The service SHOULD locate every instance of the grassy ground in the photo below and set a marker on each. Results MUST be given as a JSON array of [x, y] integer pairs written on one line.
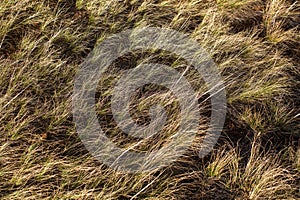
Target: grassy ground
[[255, 44]]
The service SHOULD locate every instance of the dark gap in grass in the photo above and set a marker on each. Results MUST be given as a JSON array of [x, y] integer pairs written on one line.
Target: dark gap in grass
[[13, 38], [195, 21], [11, 42], [79, 21], [290, 49], [237, 133], [67, 7], [247, 18], [292, 22], [246, 24]]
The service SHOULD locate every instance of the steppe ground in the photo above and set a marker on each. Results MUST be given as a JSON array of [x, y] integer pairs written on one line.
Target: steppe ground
[[255, 44]]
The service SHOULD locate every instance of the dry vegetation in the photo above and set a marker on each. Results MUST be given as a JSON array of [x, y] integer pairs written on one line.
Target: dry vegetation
[[255, 44]]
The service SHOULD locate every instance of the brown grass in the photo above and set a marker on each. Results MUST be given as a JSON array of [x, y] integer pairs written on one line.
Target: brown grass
[[255, 44]]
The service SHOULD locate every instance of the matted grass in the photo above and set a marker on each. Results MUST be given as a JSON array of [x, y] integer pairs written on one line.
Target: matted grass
[[255, 44]]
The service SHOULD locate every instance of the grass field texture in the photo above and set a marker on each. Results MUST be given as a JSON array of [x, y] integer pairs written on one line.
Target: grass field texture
[[256, 46]]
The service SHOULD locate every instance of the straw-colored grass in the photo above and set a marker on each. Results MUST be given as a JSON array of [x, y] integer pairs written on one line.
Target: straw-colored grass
[[255, 44]]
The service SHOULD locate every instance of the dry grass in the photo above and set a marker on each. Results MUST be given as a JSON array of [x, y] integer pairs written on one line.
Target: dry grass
[[255, 44]]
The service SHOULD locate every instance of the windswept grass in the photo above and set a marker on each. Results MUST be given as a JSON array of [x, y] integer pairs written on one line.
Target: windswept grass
[[255, 44]]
